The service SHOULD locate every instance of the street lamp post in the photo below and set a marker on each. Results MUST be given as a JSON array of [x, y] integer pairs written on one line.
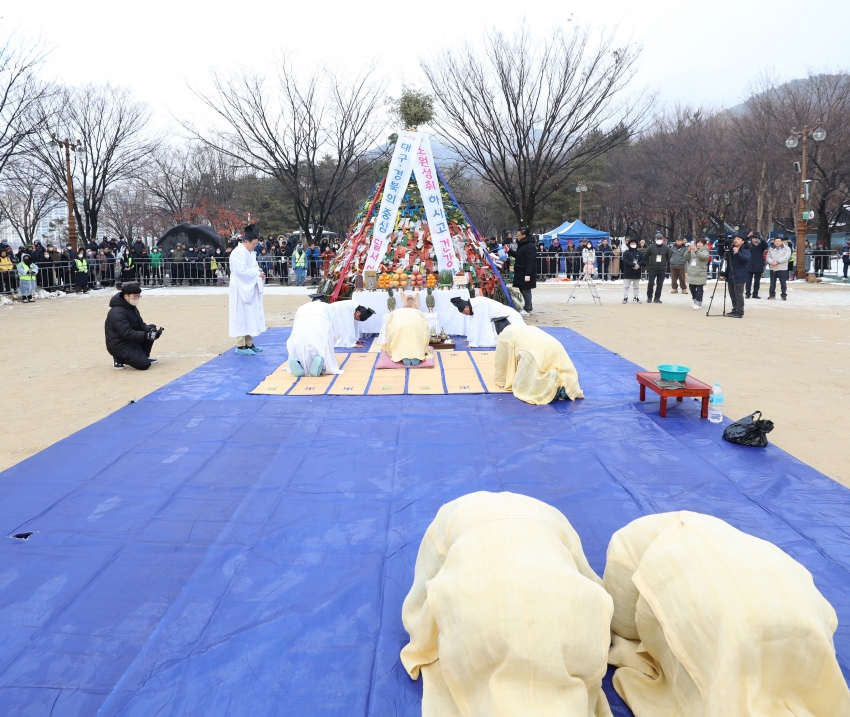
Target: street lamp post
[[581, 189], [802, 220], [69, 146]]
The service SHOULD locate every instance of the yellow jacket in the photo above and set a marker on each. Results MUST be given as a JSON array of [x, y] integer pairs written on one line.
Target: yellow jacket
[[5, 263]]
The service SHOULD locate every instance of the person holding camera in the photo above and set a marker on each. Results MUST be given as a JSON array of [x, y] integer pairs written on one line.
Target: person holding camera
[[738, 261], [697, 270], [129, 339], [777, 257]]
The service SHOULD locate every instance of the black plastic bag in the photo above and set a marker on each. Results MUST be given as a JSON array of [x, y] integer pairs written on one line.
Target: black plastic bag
[[749, 431]]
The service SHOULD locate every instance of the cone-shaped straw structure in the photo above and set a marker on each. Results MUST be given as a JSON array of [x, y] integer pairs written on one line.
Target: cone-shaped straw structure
[[410, 250]]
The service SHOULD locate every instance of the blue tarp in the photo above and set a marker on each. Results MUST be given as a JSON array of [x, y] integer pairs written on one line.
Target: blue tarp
[[205, 552]]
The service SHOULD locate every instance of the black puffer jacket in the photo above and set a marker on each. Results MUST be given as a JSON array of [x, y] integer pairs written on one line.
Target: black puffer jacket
[[630, 257], [525, 264], [125, 330]]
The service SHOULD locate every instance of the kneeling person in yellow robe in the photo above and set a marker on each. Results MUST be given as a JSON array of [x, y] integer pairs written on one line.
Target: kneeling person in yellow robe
[[406, 336], [535, 366], [506, 617], [709, 622]]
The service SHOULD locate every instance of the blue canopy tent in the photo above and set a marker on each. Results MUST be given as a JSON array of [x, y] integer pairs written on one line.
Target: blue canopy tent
[[579, 230], [549, 236]]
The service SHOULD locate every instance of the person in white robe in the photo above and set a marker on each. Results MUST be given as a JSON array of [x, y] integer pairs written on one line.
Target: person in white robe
[[346, 316], [247, 315], [487, 318], [506, 617], [711, 621], [311, 343]]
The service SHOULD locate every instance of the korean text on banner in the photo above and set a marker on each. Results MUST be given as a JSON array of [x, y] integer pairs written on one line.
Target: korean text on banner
[[429, 187], [396, 184]]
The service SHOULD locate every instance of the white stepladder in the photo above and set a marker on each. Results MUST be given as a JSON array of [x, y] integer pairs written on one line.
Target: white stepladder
[[586, 278]]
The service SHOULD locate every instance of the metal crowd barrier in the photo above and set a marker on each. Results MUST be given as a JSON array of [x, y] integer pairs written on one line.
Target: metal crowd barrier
[[60, 276]]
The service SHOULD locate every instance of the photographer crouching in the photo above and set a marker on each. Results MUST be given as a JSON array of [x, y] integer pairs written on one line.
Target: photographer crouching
[[129, 340], [736, 275]]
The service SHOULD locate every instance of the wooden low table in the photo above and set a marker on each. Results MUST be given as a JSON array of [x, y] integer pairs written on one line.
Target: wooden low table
[[694, 388]]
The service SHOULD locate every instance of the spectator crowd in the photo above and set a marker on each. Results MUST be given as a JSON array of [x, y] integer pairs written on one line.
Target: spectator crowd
[[113, 261], [688, 264]]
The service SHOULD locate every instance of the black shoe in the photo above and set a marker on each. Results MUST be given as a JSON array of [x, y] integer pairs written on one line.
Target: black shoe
[[784, 298], [656, 301], [625, 301], [733, 315], [153, 360], [755, 297], [117, 366], [636, 300], [746, 296]]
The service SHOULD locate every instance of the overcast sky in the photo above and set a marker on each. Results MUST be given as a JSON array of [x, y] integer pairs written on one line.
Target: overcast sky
[[158, 48]]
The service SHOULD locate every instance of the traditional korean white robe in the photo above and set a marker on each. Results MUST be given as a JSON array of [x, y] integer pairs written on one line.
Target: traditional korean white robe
[[506, 617], [313, 334], [247, 315], [481, 331], [345, 325]]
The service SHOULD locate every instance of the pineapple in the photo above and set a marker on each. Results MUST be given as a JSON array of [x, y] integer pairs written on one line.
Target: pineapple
[[429, 300], [390, 300]]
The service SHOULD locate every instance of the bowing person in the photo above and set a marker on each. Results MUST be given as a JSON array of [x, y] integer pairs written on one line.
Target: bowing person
[[487, 319], [535, 366], [506, 617], [346, 317], [711, 621], [311, 343], [406, 336]]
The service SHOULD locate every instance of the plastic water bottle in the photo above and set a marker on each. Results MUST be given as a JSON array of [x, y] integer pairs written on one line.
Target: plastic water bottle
[[715, 404]]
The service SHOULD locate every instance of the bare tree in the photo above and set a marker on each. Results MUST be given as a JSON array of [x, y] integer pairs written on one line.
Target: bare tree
[[528, 114], [315, 137], [128, 213], [181, 179], [111, 126], [26, 198], [21, 95]]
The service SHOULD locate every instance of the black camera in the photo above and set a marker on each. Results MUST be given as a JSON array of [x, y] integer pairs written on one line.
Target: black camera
[[724, 243]]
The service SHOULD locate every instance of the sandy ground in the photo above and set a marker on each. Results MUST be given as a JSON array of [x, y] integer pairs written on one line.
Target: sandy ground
[[791, 360]]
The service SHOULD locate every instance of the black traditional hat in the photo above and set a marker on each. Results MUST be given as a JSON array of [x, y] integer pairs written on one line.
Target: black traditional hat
[[460, 304], [365, 312], [251, 233], [319, 297], [131, 287], [500, 324]]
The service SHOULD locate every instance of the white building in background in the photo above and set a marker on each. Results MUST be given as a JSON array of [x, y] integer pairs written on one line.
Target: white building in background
[[50, 230]]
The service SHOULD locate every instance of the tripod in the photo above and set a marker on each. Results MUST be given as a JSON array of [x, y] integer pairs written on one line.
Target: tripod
[[586, 278], [722, 270]]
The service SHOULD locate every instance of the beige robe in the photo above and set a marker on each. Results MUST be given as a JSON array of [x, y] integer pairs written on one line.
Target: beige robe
[[712, 622], [505, 616], [406, 335], [534, 365]]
